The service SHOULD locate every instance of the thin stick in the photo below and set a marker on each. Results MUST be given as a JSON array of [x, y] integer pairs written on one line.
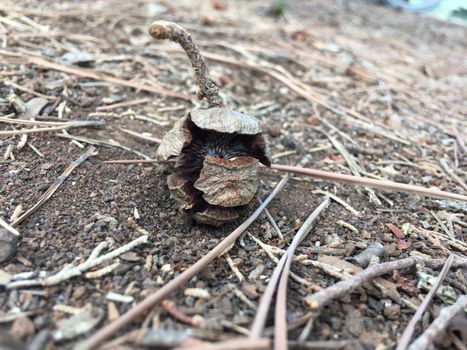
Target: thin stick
[[54, 126], [69, 272], [363, 181], [87, 73], [409, 330], [110, 143], [33, 131], [280, 324], [122, 104], [32, 92], [271, 250], [70, 123], [452, 174], [341, 178], [327, 295], [355, 168], [9, 227], [170, 307], [443, 226], [261, 314], [207, 88], [155, 298], [337, 290], [141, 136], [58, 182], [271, 220], [132, 161], [338, 200], [439, 324], [233, 344]]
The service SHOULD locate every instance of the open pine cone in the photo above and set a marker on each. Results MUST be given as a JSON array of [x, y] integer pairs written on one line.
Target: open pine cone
[[218, 150]]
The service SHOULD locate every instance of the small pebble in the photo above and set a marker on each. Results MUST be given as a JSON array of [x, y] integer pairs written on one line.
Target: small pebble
[[22, 327], [47, 166], [392, 312], [274, 129], [249, 290], [289, 143], [163, 215], [8, 245]]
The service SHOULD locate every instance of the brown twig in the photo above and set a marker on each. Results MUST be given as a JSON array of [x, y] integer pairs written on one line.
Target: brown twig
[[232, 344], [133, 161], [52, 189], [408, 332], [207, 88], [32, 92], [321, 344], [170, 308], [439, 324], [109, 143], [141, 136], [123, 104], [54, 126], [280, 324], [181, 279], [87, 73], [363, 181], [327, 295]]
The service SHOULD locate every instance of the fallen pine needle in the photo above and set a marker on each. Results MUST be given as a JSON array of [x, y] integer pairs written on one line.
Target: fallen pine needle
[[261, 314], [280, 324], [408, 332], [341, 178], [141, 136], [170, 307], [57, 183], [9, 227], [232, 344], [338, 200], [109, 143], [68, 123], [87, 73], [122, 104], [52, 126], [439, 324], [271, 220], [363, 181], [132, 161]]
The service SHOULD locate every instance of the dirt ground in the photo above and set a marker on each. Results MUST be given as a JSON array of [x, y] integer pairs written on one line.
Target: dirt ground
[[388, 86]]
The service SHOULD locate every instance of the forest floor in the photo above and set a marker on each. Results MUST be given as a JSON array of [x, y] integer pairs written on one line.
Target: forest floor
[[367, 88]]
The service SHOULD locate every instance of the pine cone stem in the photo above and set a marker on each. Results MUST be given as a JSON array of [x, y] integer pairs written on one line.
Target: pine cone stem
[[207, 88]]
